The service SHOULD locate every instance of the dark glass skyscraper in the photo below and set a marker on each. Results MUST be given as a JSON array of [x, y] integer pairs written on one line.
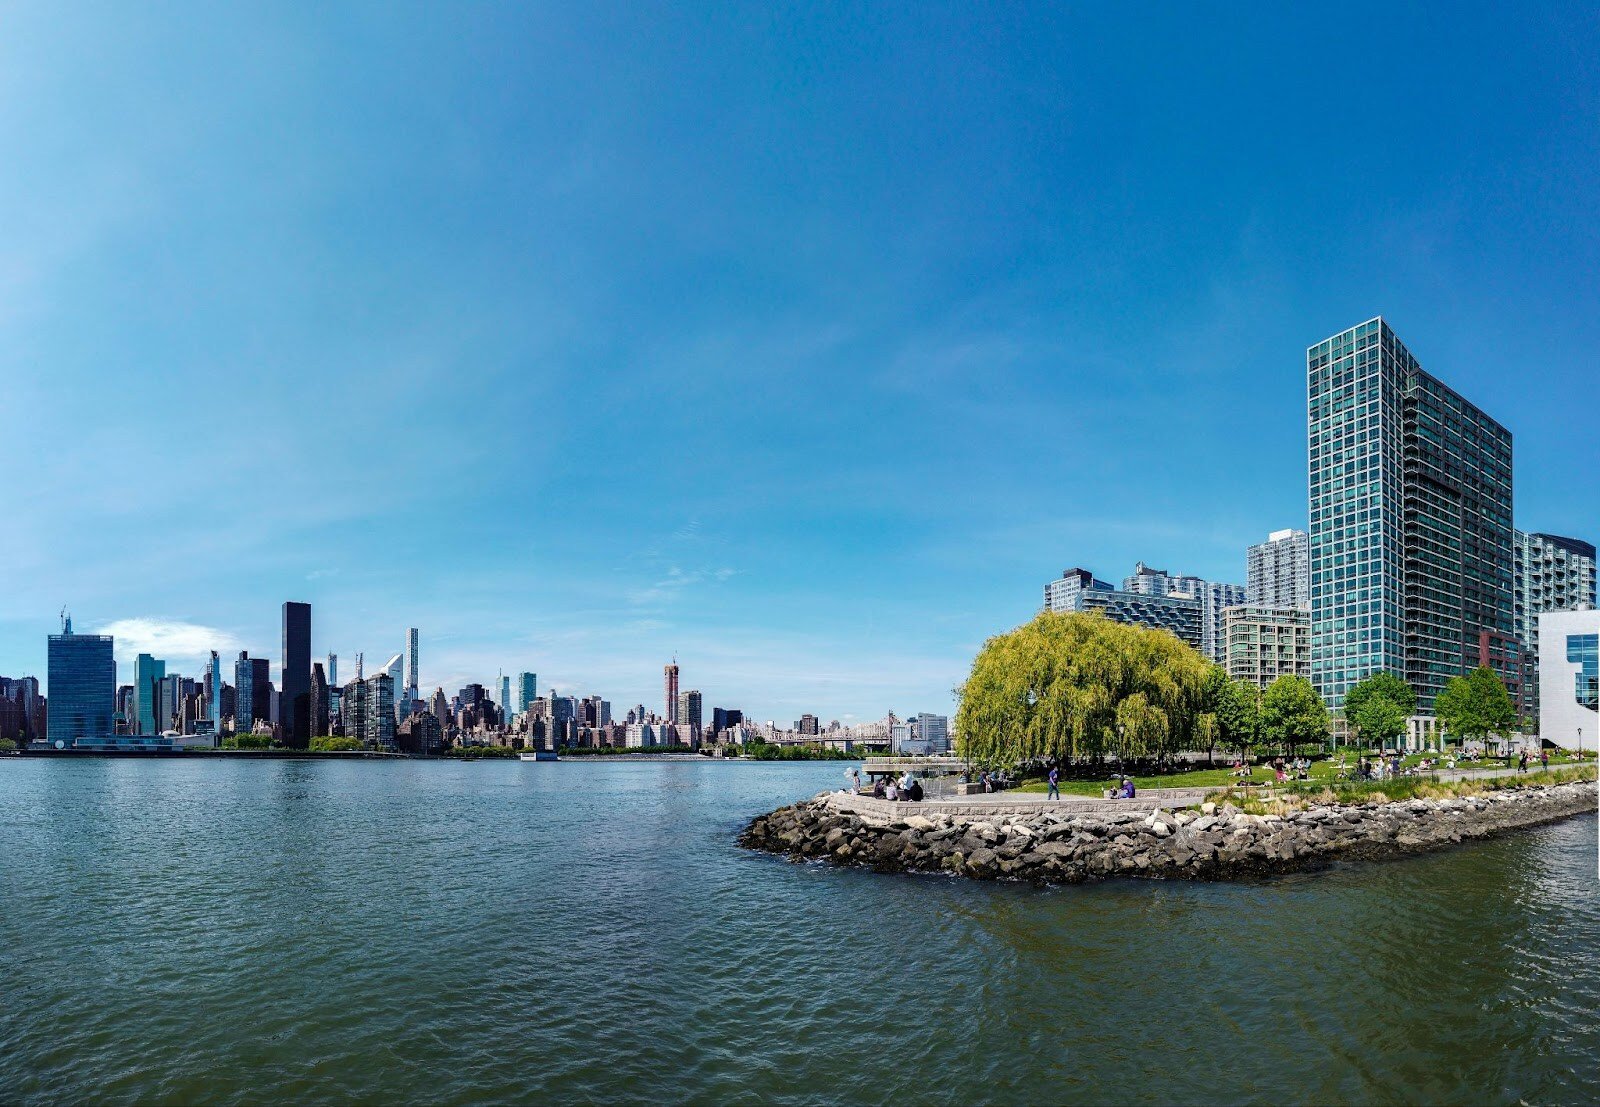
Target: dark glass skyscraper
[[1411, 553], [83, 686], [295, 698]]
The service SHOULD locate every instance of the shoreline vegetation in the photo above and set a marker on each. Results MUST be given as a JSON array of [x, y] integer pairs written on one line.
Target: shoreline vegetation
[[1227, 838]]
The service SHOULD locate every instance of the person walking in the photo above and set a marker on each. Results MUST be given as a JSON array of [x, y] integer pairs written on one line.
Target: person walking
[[1544, 758], [1054, 791]]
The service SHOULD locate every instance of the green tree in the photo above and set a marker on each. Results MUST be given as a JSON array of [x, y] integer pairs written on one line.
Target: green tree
[[334, 744], [1292, 714], [1476, 705], [1239, 716], [1079, 687], [1377, 708], [1208, 727], [247, 741]]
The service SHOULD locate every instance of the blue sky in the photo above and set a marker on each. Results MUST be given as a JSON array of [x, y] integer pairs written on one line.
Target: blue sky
[[804, 342]]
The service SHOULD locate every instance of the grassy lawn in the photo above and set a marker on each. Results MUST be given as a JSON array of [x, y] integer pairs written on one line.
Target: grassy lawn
[[1323, 771]]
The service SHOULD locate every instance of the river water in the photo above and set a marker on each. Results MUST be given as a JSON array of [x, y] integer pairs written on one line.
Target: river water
[[267, 931]]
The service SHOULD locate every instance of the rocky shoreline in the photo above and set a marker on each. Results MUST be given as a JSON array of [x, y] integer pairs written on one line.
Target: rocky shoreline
[[1213, 843]]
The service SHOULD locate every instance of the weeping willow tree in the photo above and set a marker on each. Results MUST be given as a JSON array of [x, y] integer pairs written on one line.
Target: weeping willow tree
[[1079, 687]]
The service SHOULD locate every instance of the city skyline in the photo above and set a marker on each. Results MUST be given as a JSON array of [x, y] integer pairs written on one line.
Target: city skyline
[[810, 386]]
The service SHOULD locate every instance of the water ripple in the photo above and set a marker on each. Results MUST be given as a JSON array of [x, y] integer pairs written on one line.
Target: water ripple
[[412, 933]]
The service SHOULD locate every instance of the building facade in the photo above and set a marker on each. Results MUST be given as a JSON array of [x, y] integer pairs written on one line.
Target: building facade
[[82, 674], [670, 674], [527, 691], [295, 709], [251, 692], [1550, 573], [412, 683], [1278, 571], [1569, 678], [1410, 512], [1079, 590], [1265, 643], [691, 710], [148, 673]]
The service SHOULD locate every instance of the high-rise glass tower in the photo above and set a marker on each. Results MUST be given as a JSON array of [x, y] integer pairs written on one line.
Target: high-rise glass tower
[[148, 673], [1410, 537], [527, 691], [214, 692], [295, 696], [83, 685], [251, 686], [411, 667]]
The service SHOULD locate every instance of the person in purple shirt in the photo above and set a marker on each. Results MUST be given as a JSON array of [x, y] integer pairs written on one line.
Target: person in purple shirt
[[1127, 787], [1054, 792]]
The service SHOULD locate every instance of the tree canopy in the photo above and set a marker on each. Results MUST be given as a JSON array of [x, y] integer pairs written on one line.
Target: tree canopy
[[1378, 706], [1239, 715], [1079, 687], [1292, 714], [1476, 705]]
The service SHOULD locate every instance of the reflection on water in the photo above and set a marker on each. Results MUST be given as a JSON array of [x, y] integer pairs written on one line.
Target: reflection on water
[[261, 931]]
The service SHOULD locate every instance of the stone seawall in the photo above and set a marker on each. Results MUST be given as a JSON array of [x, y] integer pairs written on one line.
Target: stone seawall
[[1063, 847]]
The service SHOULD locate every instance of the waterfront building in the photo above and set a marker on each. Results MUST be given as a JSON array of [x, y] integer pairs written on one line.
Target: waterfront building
[[439, 707], [671, 675], [1278, 571], [1080, 590], [419, 734], [933, 732], [1550, 573], [1569, 678], [505, 696], [724, 717], [639, 736], [527, 691], [1264, 643], [214, 692], [412, 684], [23, 693], [321, 705], [252, 687], [394, 669], [295, 695], [333, 670], [169, 704], [690, 708], [148, 673], [354, 718], [82, 672], [1410, 536], [806, 724]]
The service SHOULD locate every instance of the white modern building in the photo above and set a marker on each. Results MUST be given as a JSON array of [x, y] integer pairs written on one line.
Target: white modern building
[[1278, 571], [1569, 678], [1549, 573]]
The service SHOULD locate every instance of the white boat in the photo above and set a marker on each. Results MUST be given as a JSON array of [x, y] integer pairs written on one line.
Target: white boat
[[538, 755]]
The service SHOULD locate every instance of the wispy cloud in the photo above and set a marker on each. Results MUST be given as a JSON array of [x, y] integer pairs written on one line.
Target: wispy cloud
[[676, 581]]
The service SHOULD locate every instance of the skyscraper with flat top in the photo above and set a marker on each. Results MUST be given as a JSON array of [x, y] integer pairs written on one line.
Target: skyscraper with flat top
[[83, 686], [672, 691], [1278, 571], [411, 667], [295, 694], [1410, 538]]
